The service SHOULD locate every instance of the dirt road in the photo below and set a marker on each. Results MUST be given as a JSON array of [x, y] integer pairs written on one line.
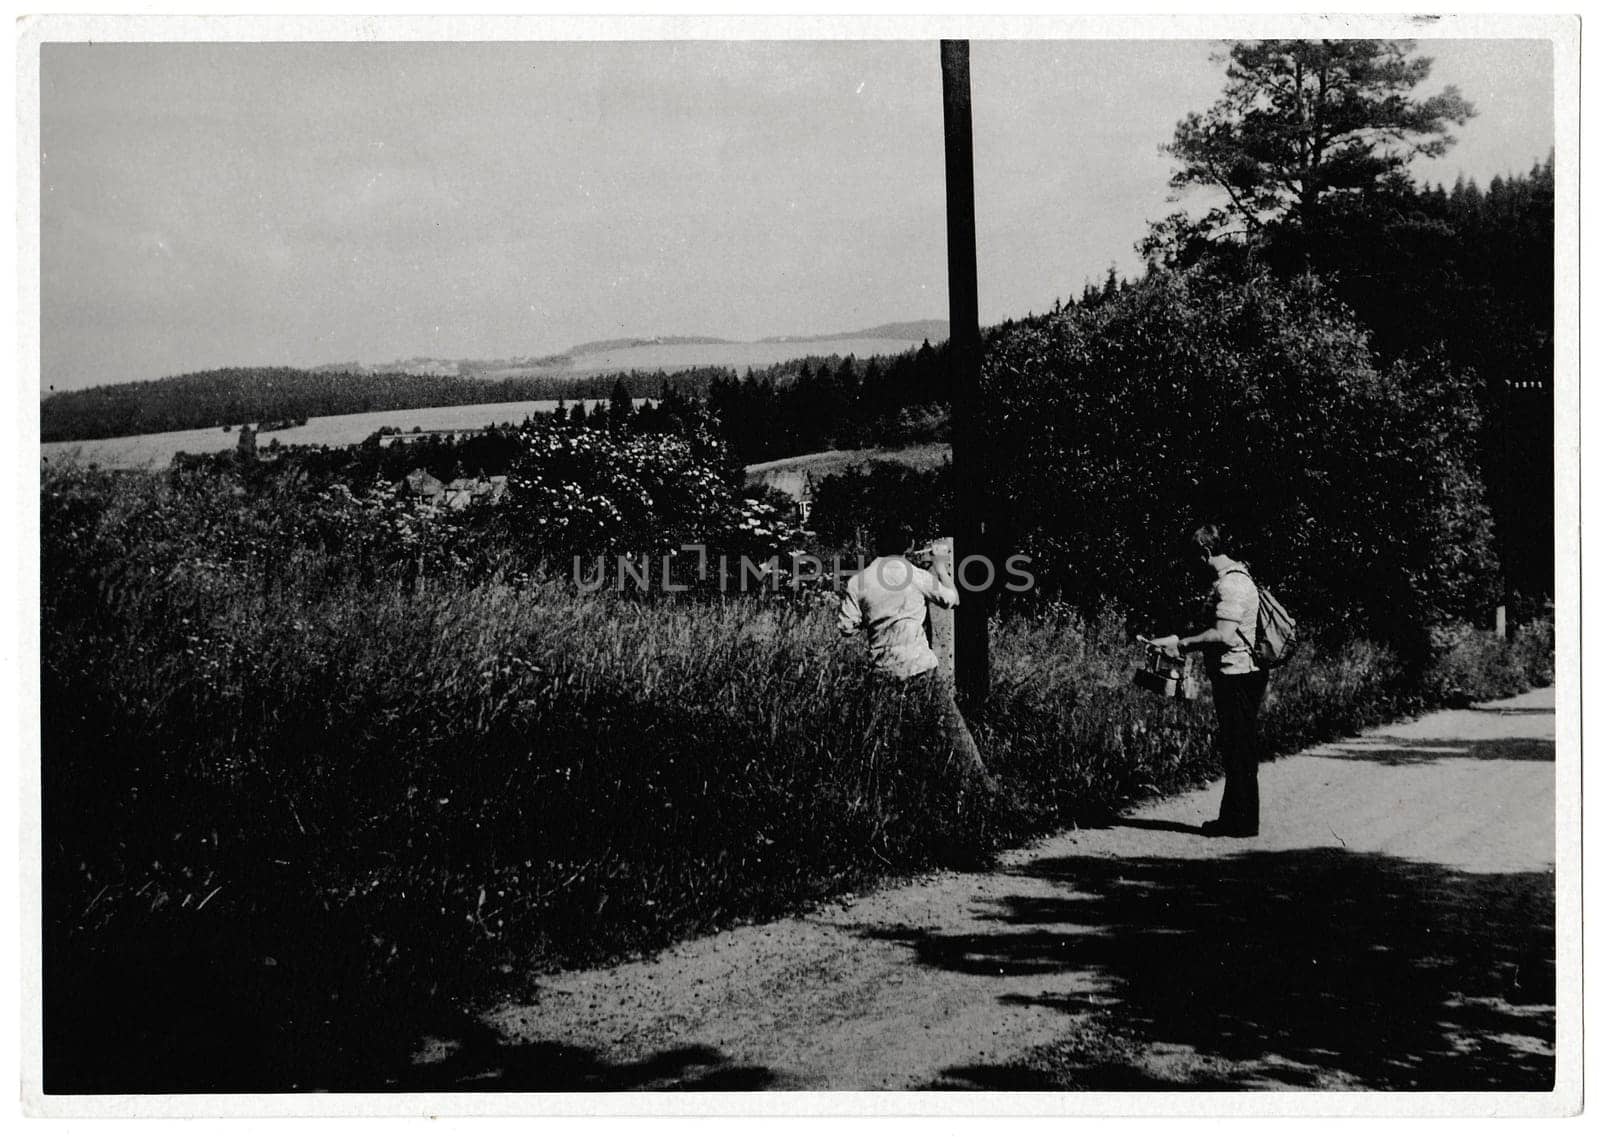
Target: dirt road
[[1392, 927]]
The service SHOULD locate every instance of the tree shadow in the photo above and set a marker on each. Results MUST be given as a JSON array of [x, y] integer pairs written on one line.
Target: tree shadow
[[1153, 824], [1388, 750], [1318, 968], [183, 1024], [481, 1060]]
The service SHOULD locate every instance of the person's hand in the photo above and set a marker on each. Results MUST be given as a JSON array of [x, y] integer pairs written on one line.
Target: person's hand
[[1169, 646]]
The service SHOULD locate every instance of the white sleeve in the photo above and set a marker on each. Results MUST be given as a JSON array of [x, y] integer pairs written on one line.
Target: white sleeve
[[930, 586], [849, 610]]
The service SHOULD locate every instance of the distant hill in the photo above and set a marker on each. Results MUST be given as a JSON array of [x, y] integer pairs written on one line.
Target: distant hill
[[636, 352], [934, 331], [594, 346]]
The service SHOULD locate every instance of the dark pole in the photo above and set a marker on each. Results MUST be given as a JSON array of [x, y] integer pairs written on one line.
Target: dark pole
[[965, 356], [1503, 617]]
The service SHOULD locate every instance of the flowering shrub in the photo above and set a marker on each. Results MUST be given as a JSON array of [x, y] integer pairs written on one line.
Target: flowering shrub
[[580, 493], [569, 493]]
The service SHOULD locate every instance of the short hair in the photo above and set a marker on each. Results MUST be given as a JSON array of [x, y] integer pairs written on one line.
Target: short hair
[[892, 535], [1211, 538]]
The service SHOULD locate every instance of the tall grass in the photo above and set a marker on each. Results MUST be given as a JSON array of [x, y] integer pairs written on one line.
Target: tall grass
[[294, 807]]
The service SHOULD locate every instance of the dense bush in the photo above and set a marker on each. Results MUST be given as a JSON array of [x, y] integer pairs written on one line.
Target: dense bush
[[580, 493], [1535, 649], [1470, 664], [1199, 396], [571, 492]]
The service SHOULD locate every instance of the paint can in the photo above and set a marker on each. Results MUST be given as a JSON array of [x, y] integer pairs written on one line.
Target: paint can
[[1170, 678]]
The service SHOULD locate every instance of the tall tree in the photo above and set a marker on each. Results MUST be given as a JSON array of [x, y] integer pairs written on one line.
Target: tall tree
[[621, 405], [1301, 119]]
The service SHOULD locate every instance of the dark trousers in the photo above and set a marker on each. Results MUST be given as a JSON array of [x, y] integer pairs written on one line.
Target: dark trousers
[[958, 745], [1238, 699]]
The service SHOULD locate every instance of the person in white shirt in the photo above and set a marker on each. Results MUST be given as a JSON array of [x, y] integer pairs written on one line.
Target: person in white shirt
[[888, 600], [1238, 685]]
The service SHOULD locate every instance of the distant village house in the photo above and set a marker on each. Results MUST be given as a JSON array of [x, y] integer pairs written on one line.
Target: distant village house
[[795, 483], [457, 494]]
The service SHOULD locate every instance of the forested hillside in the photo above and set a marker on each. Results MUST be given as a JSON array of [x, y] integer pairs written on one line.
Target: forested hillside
[[252, 394]]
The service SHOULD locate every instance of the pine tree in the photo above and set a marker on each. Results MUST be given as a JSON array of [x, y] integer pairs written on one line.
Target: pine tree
[[621, 413], [1300, 120]]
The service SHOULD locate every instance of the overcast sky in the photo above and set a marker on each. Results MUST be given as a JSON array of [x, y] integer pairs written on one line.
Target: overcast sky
[[205, 205]]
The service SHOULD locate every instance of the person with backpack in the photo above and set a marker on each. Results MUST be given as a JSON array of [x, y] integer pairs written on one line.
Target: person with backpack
[[1237, 657]]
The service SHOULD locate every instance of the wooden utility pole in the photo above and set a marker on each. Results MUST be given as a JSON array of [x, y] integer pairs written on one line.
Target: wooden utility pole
[[965, 354], [1505, 467]]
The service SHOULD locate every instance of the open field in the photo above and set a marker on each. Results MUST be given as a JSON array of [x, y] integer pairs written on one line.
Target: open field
[[922, 456], [154, 451]]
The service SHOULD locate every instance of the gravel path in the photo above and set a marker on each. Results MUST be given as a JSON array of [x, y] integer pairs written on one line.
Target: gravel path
[[1392, 927]]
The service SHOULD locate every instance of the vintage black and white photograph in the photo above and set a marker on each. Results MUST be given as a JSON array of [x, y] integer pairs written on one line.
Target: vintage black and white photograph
[[945, 563]]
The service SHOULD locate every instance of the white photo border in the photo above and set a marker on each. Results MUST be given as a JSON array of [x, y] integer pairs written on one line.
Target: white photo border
[[22, 643]]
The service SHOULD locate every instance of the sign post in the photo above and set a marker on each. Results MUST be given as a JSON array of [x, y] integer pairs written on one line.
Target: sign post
[[965, 356], [941, 621]]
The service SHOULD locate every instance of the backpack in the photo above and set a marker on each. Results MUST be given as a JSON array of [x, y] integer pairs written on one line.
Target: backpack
[[1275, 639]]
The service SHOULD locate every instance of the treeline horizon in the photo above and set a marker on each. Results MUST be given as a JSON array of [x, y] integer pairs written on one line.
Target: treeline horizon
[[232, 396]]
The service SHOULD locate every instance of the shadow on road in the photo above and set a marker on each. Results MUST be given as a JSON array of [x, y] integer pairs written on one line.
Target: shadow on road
[[1153, 824], [483, 1061], [1316, 967], [186, 1024], [1387, 750]]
